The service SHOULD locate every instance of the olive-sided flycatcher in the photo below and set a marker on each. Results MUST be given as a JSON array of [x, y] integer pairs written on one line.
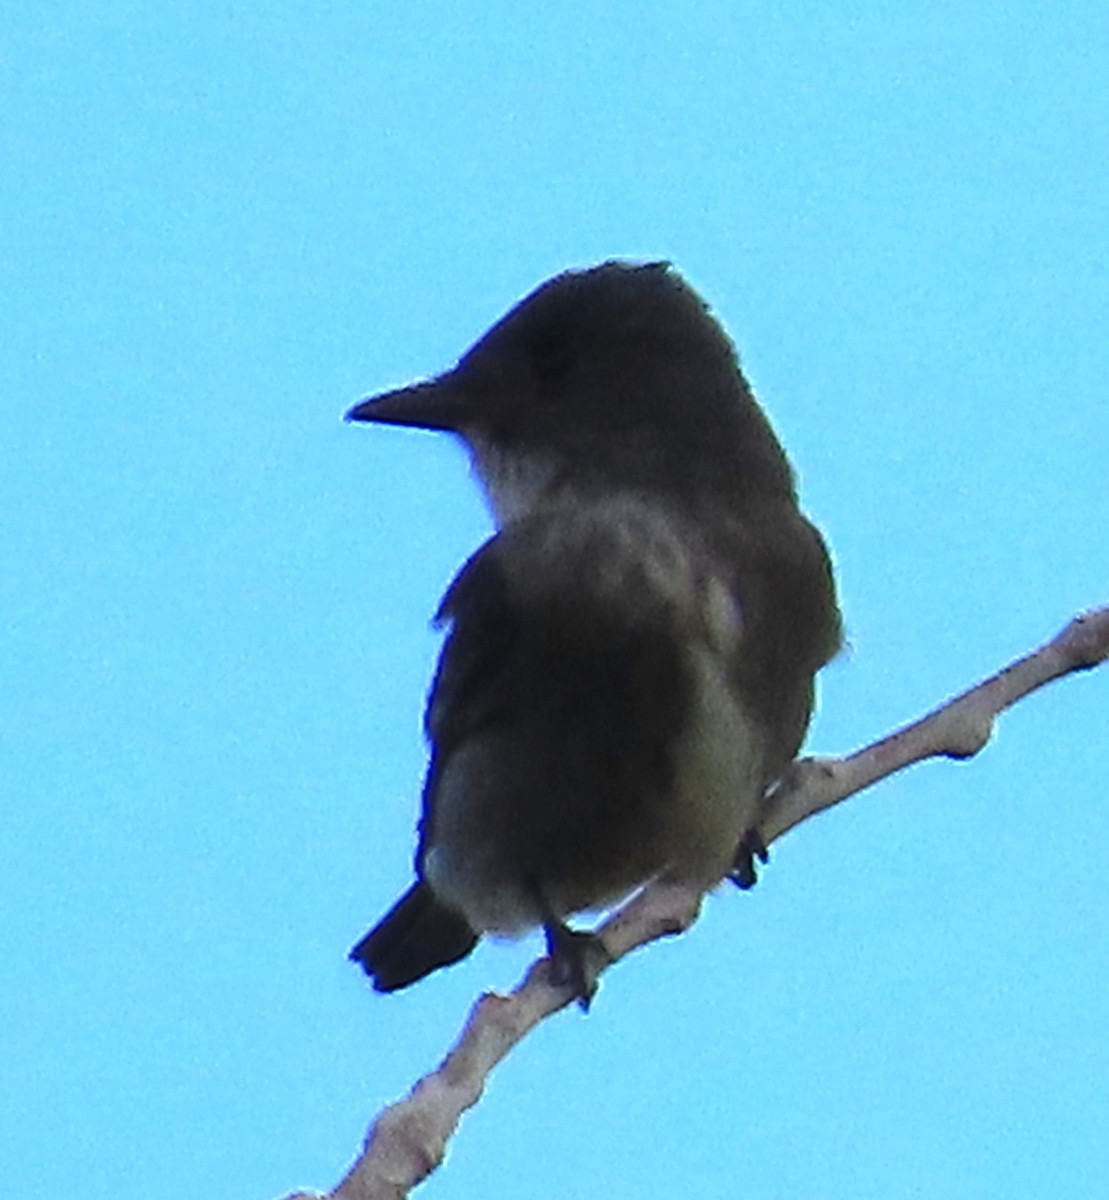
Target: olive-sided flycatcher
[[629, 659]]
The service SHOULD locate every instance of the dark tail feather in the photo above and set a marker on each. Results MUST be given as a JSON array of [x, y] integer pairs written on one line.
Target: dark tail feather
[[418, 935]]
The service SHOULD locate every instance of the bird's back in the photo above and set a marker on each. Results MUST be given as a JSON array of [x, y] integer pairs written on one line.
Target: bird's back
[[587, 731]]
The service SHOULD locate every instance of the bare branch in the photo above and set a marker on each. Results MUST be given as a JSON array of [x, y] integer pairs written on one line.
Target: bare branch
[[958, 729], [408, 1140]]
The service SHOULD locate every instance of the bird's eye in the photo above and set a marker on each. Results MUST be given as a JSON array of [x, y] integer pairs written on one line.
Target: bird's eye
[[552, 360]]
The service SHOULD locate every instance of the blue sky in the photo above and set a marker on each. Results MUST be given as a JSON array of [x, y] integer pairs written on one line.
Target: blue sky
[[220, 225]]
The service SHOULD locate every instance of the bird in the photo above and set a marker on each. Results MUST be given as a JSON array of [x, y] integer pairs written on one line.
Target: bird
[[629, 660]]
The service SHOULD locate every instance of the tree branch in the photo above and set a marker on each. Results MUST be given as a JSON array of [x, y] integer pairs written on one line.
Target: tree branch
[[408, 1140]]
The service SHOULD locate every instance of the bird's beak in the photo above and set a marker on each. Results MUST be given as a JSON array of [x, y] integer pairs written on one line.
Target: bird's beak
[[435, 404]]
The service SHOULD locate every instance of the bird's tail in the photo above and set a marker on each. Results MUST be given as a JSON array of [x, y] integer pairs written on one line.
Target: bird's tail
[[416, 936]]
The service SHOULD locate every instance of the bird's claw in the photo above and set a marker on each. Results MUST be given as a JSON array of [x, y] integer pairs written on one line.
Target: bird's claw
[[751, 846], [577, 959]]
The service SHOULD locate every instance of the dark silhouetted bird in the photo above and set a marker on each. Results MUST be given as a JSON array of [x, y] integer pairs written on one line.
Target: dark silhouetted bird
[[629, 660]]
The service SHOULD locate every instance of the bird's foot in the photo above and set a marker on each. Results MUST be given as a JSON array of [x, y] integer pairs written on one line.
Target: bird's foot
[[577, 959], [751, 846]]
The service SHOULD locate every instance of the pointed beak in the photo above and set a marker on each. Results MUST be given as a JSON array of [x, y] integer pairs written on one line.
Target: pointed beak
[[437, 403]]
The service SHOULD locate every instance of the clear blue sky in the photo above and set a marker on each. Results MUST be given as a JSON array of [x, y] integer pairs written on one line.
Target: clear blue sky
[[220, 225]]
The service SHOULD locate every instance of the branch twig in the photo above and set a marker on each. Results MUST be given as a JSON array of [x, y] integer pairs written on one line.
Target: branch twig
[[408, 1140]]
